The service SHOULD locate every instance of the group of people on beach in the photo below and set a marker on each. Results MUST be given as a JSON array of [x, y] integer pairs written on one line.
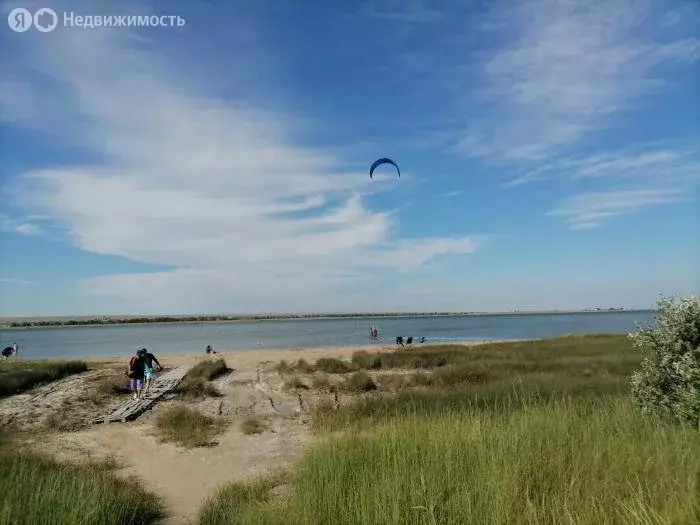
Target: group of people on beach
[[141, 371]]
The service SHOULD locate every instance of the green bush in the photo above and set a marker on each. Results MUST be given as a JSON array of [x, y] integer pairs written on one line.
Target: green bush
[[668, 380]]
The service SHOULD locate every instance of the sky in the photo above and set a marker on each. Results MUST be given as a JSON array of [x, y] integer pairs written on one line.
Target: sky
[[548, 149]]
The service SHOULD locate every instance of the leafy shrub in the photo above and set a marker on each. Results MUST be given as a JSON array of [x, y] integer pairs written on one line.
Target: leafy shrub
[[668, 380]]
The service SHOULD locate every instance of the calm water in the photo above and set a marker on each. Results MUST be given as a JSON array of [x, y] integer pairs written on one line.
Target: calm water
[[178, 338]]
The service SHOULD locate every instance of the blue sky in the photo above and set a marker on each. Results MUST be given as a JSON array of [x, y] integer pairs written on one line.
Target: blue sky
[[549, 154]]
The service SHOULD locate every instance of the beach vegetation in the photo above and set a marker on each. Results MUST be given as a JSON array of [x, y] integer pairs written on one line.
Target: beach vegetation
[[37, 489], [208, 370], [667, 382], [187, 426], [332, 365], [527, 432], [19, 376], [253, 425]]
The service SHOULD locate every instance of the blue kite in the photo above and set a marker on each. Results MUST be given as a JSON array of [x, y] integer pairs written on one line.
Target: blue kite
[[383, 161]]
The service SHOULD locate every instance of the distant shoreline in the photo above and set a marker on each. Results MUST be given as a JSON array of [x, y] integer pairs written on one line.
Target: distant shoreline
[[71, 322]]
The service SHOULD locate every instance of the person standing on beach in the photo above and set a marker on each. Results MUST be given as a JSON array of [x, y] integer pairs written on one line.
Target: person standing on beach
[[136, 373], [149, 373], [15, 350]]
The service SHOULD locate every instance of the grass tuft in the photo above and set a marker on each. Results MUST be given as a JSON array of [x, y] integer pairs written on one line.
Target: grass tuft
[[303, 367], [196, 388], [332, 365], [322, 382], [187, 427], [19, 376], [294, 383], [359, 382], [208, 370], [228, 504], [253, 425]]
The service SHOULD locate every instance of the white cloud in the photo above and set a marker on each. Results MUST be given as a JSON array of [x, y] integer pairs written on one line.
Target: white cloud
[[564, 73], [587, 211], [408, 11], [566, 69], [12, 280], [28, 229], [216, 190], [643, 164]]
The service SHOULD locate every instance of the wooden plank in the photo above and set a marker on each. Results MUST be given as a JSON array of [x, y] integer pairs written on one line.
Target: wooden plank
[[133, 408]]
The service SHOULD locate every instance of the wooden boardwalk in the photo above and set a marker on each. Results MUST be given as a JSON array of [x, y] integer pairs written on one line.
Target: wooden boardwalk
[[135, 407]]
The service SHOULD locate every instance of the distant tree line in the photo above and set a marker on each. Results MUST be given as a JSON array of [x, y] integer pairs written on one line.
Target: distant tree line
[[215, 318]]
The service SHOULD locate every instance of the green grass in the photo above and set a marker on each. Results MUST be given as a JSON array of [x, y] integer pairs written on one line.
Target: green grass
[[359, 382], [332, 365], [208, 370], [224, 507], [195, 384], [187, 427], [532, 432], [19, 376], [37, 490]]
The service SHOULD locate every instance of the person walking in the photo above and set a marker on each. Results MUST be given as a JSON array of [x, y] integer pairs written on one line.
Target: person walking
[[149, 372], [136, 373]]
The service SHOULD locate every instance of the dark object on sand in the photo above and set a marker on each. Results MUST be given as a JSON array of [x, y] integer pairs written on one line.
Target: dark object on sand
[[209, 350], [421, 340], [399, 340], [409, 340]]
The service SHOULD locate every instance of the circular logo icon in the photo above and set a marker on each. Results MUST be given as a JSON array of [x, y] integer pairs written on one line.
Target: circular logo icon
[[45, 19], [19, 19]]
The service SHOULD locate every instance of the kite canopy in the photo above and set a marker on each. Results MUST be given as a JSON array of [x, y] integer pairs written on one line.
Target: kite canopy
[[383, 161]]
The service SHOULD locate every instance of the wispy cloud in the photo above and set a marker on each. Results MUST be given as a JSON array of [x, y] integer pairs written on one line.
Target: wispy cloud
[[589, 210], [218, 190], [409, 11], [19, 227], [12, 280], [566, 72], [567, 69], [642, 164]]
